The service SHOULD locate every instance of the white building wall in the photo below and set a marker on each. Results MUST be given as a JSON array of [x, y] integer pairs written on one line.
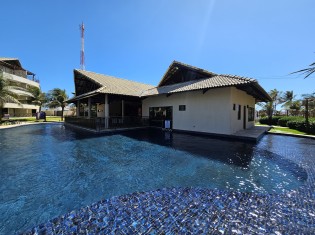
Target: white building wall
[[22, 80], [20, 109], [211, 112], [239, 97]]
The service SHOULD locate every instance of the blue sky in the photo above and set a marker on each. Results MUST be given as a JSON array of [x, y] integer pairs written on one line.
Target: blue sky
[[138, 39]]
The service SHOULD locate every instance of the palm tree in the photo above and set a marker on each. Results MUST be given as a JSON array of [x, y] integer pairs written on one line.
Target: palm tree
[[287, 99], [308, 71], [57, 98], [39, 98], [295, 107], [271, 107], [6, 93], [276, 99]]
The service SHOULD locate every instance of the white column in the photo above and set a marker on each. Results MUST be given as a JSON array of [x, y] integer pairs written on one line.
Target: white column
[[106, 110], [89, 107], [78, 108]]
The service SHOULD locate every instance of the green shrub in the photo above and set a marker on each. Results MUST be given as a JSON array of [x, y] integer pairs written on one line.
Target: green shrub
[[283, 121], [301, 126], [297, 125], [265, 120]]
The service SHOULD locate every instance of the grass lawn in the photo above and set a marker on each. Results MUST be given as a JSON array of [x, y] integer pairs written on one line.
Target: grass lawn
[[279, 129], [285, 130]]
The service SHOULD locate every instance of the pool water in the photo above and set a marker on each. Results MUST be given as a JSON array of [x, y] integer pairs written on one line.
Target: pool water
[[48, 170]]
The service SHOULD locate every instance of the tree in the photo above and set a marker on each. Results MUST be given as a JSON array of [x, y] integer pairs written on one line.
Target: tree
[[57, 98], [308, 71], [39, 98], [6, 93], [276, 99], [295, 107], [287, 99], [271, 107], [308, 103]]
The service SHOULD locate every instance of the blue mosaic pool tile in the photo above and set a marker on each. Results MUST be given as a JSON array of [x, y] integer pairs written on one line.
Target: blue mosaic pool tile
[[197, 211], [189, 210]]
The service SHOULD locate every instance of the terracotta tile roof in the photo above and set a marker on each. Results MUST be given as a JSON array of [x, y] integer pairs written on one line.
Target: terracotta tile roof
[[213, 82], [113, 85], [5, 58]]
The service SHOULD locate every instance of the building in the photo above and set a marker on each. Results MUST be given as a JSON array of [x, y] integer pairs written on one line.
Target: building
[[12, 70], [187, 98]]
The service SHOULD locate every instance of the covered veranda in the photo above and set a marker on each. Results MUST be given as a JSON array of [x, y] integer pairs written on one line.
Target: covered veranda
[[99, 111]]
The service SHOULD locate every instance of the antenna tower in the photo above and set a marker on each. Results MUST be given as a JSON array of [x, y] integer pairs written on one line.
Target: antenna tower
[[82, 64]]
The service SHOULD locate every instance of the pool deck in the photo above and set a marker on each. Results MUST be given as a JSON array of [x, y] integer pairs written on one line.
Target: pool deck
[[253, 134]]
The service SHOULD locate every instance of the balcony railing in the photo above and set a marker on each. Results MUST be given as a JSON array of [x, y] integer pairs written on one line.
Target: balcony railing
[[99, 124]]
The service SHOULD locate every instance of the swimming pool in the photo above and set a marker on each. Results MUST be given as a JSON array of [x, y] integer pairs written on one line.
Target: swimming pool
[[47, 170]]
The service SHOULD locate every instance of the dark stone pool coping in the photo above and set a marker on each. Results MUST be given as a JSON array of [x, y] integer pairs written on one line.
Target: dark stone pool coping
[[191, 211]]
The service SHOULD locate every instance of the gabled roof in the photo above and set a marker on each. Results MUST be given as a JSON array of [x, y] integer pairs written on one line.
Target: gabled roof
[[112, 85], [199, 84], [246, 84], [180, 72], [179, 77], [14, 63]]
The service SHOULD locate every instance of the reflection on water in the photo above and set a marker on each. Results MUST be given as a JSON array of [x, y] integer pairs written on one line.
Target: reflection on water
[[47, 170]]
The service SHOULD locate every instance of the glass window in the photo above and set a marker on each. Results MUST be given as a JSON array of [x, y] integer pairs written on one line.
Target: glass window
[[182, 108], [251, 114], [239, 112]]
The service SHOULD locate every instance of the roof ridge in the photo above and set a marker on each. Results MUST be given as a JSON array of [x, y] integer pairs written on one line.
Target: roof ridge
[[8, 58], [238, 77], [194, 67], [80, 70]]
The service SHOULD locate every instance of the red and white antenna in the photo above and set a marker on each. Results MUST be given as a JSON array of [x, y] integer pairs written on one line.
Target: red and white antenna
[[82, 65]]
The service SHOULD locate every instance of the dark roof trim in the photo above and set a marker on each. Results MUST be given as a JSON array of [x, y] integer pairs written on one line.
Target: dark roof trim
[[175, 65]]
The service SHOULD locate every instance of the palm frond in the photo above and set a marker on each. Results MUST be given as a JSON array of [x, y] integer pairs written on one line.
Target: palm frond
[[307, 72]]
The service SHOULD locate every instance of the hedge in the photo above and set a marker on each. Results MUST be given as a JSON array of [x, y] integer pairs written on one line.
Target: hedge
[[274, 120], [283, 121], [301, 126]]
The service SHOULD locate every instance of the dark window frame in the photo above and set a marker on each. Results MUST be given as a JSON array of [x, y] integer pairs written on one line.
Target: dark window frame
[[251, 114], [182, 107], [239, 113]]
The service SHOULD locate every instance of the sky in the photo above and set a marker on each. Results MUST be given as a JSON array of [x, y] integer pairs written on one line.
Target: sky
[[137, 40]]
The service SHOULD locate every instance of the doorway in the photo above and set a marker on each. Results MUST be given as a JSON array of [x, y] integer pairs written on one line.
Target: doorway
[[158, 116]]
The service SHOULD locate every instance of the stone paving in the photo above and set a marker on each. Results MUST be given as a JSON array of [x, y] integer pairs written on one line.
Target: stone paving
[[199, 210]]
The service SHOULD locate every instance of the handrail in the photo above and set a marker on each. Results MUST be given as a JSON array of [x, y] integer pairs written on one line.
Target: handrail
[[102, 123]]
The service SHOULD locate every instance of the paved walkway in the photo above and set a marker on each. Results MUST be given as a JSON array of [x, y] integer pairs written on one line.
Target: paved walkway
[[253, 134]]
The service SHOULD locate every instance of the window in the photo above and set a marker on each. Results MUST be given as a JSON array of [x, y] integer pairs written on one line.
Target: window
[[234, 106], [239, 112], [158, 115], [182, 108], [251, 114]]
